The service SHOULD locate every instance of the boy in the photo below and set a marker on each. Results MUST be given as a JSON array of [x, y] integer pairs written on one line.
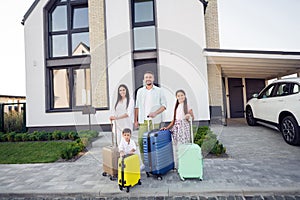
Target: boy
[[127, 146]]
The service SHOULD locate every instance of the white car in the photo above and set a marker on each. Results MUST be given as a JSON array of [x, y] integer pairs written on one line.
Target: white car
[[278, 105]]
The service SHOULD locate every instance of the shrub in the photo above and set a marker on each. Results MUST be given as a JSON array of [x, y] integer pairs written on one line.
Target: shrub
[[13, 121], [57, 135], [64, 135], [73, 135], [208, 141], [25, 137], [11, 136], [3, 137], [72, 150], [18, 137]]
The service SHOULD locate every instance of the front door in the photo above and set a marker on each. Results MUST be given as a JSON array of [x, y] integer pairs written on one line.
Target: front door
[[140, 67], [253, 86], [236, 101]]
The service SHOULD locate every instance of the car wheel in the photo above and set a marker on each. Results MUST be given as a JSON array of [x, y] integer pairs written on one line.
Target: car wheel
[[249, 117], [290, 130]]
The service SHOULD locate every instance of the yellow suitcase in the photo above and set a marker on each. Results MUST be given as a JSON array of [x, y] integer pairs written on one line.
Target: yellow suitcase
[[129, 171]]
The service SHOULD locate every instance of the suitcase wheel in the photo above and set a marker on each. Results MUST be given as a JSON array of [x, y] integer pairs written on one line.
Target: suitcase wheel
[[159, 178], [140, 183], [112, 178], [127, 189], [120, 187], [181, 178], [200, 179], [104, 174], [147, 173]]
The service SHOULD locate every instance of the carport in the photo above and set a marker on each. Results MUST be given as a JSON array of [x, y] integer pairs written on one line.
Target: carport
[[245, 72]]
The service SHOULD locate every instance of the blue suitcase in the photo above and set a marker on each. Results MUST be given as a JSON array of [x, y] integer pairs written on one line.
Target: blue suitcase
[[158, 152]]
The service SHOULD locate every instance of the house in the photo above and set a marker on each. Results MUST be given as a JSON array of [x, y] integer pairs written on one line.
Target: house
[[10, 103], [79, 51]]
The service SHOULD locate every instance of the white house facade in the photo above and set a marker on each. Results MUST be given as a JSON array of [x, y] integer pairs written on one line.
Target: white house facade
[[79, 51]]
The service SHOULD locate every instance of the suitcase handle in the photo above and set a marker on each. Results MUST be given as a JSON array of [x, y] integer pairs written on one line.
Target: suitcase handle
[[192, 131], [148, 123], [112, 133]]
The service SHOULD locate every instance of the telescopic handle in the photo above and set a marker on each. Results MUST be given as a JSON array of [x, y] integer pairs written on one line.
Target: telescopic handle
[[192, 131]]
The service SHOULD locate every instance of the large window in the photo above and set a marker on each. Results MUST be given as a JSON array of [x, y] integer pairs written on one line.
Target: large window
[[70, 82], [68, 74], [68, 28], [143, 25]]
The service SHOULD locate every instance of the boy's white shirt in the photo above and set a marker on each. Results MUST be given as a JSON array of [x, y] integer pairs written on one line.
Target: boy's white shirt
[[125, 147]]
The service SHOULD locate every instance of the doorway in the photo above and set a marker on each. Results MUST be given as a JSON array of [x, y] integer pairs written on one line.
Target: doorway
[[142, 66], [236, 102]]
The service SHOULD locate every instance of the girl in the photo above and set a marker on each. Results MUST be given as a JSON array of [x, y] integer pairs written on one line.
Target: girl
[[180, 126], [123, 112]]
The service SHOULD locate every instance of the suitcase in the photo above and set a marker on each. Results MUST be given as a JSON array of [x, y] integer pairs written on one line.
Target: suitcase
[[110, 155], [158, 152], [190, 160], [129, 171]]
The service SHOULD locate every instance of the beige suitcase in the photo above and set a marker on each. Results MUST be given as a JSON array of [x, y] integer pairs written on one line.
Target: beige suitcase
[[110, 155]]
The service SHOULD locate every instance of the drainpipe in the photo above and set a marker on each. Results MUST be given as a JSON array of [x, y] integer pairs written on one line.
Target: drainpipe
[[205, 3]]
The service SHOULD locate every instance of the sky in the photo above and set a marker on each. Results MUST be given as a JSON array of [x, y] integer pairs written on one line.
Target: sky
[[251, 25]]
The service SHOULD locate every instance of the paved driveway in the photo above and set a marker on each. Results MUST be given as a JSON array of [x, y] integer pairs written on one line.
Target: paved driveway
[[259, 162], [254, 142]]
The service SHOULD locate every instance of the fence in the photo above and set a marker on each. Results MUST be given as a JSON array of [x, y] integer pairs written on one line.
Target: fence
[[13, 117]]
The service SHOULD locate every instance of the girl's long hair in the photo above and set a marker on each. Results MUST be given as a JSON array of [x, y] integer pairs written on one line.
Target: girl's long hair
[[185, 109], [120, 97]]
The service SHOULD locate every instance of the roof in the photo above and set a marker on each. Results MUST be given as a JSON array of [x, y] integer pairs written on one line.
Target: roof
[[12, 96], [33, 5], [253, 63], [205, 3]]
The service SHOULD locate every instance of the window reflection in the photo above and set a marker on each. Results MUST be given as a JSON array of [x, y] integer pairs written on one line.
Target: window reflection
[[59, 19], [80, 18], [82, 87], [80, 43], [61, 88], [143, 11], [68, 28], [59, 45], [144, 38]]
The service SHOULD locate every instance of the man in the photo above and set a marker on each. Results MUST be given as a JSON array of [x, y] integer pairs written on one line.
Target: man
[[150, 103]]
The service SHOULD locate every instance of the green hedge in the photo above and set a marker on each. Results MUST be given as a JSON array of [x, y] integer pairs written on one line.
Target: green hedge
[[208, 141], [81, 139]]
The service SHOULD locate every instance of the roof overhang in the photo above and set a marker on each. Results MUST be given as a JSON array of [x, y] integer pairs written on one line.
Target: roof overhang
[[254, 64]]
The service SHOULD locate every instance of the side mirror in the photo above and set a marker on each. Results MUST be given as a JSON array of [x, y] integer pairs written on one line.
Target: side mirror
[[255, 95]]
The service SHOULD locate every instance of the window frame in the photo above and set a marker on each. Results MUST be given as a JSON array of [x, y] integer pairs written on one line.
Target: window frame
[[71, 5], [72, 100], [143, 24], [69, 62]]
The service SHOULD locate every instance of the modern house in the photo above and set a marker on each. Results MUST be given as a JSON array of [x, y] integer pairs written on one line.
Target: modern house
[[79, 51]]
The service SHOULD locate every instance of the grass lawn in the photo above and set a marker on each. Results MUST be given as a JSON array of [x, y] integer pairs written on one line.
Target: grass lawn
[[31, 152]]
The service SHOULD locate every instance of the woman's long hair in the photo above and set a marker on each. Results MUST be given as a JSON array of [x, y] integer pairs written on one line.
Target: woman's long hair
[[120, 97], [185, 109]]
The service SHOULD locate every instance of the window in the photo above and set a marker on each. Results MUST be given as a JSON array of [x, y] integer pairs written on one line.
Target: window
[[268, 92], [68, 61], [296, 88], [283, 89], [143, 16], [68, 28], [70, 82]]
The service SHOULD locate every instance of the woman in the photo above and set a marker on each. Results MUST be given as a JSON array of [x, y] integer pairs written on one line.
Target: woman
[[123, 112]]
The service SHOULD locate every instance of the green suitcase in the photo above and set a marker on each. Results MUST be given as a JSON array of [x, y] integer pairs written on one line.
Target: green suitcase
[[190, 160]]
